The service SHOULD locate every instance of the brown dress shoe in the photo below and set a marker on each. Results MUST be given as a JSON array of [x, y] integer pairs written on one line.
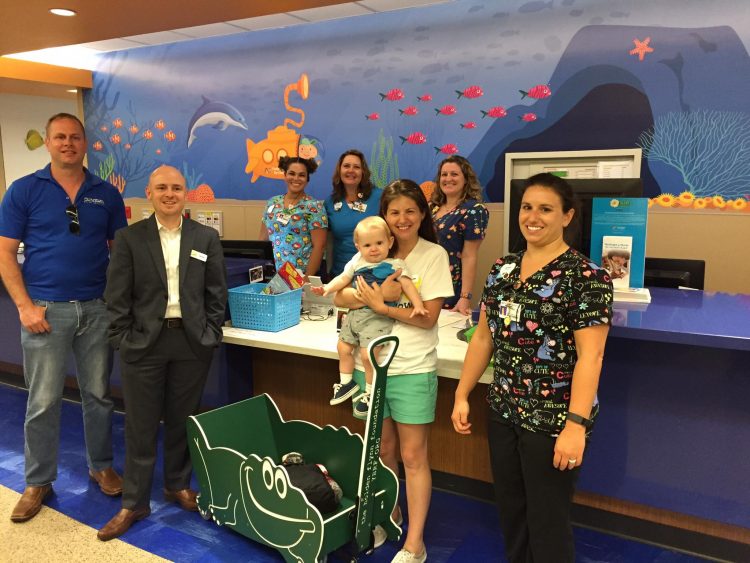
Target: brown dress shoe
[[121, 523], [109, 481], [185, 498], [30, 503]]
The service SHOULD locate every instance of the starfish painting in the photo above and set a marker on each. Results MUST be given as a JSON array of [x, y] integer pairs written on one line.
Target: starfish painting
[[641, 48]]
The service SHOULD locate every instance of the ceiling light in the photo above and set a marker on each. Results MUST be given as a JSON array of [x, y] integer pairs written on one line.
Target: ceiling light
[[62, 12], [72, 90], [71, 56]]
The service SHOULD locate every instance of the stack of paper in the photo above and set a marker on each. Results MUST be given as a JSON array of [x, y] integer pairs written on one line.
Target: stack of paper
[[632, 294]]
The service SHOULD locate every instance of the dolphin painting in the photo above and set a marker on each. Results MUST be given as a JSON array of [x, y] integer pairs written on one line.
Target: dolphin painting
[[219, 115]]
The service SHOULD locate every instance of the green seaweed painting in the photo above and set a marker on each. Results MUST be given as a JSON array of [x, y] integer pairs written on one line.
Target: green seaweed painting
[[106, 167], [383, 162]]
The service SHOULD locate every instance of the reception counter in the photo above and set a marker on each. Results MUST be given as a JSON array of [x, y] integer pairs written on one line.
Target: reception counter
[[670, 443]]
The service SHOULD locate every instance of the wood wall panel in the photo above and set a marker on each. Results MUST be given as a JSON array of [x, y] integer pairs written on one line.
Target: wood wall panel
[[301, 387], [665, 517], [465, 455], [727, 264]]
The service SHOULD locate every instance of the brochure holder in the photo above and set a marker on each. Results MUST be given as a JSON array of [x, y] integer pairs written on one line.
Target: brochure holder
[[618, 244]]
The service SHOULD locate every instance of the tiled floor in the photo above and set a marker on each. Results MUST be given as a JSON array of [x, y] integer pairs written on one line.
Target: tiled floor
[[458, 529]]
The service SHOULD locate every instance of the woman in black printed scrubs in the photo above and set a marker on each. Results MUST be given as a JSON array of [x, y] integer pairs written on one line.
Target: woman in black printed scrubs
[[545, 315]]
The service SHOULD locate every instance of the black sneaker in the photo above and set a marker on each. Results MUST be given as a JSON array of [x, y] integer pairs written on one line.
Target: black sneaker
[[362, 406], [342, 391]]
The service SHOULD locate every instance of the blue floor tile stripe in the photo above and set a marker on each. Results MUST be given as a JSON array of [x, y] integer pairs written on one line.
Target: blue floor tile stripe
[[458, 528]]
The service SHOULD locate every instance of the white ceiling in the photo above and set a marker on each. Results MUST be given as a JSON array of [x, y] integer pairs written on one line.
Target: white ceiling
[[66, 55]]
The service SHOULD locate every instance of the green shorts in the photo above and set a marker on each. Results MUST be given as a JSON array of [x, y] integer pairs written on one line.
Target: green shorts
[[410, 398]]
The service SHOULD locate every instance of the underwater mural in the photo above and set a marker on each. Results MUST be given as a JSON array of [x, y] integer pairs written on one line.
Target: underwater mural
[[412, 86]]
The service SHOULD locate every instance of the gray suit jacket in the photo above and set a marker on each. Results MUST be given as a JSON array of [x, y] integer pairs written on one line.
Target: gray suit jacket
[[136, 292]]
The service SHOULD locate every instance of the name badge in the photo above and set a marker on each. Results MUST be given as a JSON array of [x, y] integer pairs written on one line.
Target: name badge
[[506, 269], [283, 218], [510, 311], [198, 255], [359, 206]]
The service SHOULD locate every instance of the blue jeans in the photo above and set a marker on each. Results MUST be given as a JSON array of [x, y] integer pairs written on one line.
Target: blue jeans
[[80, 326]]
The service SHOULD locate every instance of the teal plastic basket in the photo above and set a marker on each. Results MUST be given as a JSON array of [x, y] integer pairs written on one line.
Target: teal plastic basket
[[249, 308]]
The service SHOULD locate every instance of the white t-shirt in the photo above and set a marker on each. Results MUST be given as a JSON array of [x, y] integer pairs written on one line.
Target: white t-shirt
[[430, 273]]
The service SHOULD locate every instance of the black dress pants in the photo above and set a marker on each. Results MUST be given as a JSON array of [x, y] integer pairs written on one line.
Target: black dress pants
[[167, 382], [533, 498]]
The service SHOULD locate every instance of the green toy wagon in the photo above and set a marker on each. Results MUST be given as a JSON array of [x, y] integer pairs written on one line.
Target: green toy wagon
[[236, 452]]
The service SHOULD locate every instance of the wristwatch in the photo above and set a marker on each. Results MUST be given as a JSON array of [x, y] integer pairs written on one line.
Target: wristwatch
[[578, 419], [466, 295]]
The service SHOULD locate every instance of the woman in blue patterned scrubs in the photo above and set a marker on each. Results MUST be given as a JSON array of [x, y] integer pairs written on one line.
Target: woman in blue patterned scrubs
[[545, 315], [460, 220], [294, 222]]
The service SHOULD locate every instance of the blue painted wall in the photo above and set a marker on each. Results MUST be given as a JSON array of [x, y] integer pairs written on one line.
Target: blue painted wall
[[410, 86]]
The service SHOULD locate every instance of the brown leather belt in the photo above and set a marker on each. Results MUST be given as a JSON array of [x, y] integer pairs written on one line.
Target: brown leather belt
[[173, 323]]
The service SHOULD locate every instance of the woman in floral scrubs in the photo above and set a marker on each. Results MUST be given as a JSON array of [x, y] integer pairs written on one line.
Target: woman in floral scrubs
[[460, 220]]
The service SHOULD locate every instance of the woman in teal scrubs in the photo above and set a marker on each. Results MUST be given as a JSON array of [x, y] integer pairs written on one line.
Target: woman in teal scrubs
[[353, 198]]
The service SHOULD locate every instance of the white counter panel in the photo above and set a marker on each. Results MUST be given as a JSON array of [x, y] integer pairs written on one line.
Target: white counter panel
[[318, 338]]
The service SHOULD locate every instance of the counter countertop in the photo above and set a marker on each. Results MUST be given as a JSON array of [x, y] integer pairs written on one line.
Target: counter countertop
[[695, 318], [684, 316], [318, 338]]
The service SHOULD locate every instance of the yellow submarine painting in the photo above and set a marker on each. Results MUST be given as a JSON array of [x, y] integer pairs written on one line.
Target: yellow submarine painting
[[263, 156]]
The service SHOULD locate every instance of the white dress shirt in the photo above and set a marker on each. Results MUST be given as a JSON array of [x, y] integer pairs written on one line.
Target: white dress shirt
[[170, 247]]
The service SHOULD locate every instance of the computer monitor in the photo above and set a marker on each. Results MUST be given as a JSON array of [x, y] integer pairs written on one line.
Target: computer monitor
[[578, 233], [259, 249], [674, 272]]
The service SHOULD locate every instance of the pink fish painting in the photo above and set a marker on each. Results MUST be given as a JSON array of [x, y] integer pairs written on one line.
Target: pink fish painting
[[469, 125], [449, 149], [410, 110], [528, 117], [445, 110], [372, 117], [470, 92], [425, 98], [495, 112], [416, 138], [393, 95], [537, 92]]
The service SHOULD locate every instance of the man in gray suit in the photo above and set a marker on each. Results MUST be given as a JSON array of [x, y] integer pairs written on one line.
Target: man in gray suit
[[166, 295]]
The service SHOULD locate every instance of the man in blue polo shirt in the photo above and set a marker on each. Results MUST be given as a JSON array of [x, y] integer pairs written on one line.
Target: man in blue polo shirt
[[66, 218]]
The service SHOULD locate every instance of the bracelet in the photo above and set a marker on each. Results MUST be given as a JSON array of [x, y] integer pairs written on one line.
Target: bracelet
[[466, 295], [578, 419]]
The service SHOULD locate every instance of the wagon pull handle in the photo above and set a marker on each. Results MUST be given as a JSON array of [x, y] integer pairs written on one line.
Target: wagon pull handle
[[369, 467], [382, 368]]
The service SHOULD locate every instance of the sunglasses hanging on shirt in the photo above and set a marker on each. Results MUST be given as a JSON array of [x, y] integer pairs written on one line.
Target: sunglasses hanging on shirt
[[72, 212]]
